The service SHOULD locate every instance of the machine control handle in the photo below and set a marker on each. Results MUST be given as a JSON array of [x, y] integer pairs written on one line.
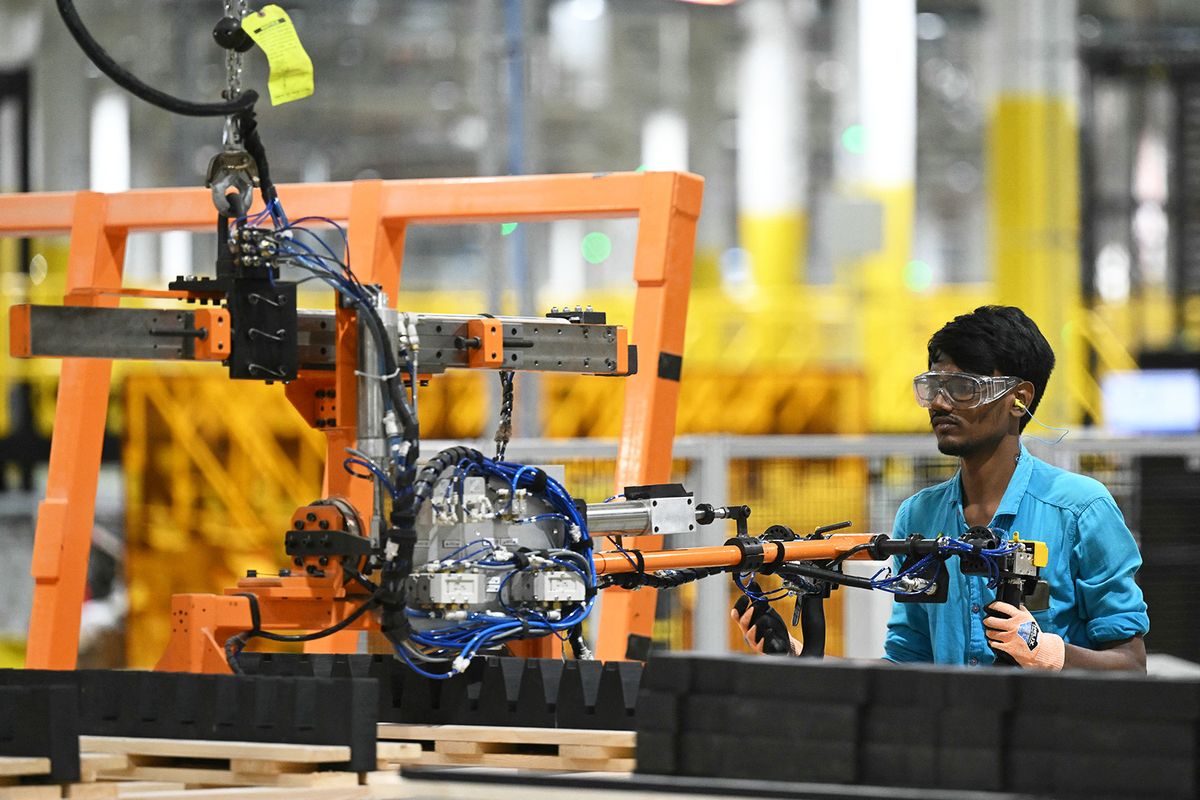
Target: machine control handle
[[1009, 591]]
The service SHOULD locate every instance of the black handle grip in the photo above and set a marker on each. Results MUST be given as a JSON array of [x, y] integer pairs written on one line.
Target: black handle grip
[[768, 625], [812, 625], [1009, 591]]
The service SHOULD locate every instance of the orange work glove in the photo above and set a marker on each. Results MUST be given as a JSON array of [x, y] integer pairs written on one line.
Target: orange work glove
[[762, 627], [1019, 635]]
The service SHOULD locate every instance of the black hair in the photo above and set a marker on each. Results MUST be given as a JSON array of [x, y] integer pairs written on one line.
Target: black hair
[[995, 339]]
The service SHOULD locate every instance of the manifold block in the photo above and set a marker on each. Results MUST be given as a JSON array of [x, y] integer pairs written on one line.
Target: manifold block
[[436, 589], [548, 586]]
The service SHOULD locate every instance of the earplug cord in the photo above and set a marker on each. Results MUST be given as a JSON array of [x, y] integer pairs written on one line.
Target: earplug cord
[[1017, 402]]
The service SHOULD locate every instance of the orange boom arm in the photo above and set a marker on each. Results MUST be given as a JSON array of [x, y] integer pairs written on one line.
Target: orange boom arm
[[609, 563]]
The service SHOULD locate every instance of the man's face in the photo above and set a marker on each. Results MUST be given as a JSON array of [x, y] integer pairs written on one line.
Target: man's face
[[963, 431]]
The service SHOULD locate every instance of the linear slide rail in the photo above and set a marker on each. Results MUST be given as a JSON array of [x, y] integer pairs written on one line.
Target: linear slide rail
[[542, 344], [126, 333]]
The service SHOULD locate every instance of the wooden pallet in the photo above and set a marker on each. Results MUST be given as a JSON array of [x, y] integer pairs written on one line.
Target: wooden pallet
[[24, 778], [565, 749], [211, 763]]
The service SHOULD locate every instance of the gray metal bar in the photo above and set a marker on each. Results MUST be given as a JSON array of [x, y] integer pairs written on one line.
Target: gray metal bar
[[140, 333], [541, 344]]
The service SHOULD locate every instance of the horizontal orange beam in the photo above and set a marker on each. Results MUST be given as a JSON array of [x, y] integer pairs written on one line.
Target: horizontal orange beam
[[728, 556], [427, 201]]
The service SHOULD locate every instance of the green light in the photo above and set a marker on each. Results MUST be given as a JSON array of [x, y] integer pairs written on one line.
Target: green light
[[918, 276], [38, 268], [508, 227], [641, 168], [596, 247], [854, 139]]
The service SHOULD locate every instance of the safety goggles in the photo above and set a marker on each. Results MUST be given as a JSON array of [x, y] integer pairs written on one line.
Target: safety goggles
[[961, 389]]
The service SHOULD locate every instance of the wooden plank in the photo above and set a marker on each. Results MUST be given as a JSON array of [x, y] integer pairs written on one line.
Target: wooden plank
[[92, 764], [396, 752], [592, 751], [529, 761], [90, 791], [200, 748], [255, 767], [24, 765], [260, 793], [381, 778], [470, 748], [490, 733], [135, 788], [224, 777], [50, 792]]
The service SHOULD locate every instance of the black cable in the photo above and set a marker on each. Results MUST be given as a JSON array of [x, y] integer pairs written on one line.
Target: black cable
[[321, 634], [504, 426], [427, 477], [363, 581], [255, 631], [667, 579], [395, 386], [247, 125], [809, 570], [858, 548], [126, 80]]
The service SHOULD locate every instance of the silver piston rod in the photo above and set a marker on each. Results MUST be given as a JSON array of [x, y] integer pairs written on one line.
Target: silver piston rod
[[372, 442], [653, 516]]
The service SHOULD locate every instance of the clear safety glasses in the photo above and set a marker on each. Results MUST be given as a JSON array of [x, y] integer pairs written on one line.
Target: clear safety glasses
[[961, 389]]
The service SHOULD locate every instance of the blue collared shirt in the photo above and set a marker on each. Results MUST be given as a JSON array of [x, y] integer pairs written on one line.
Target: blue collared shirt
[[1093, 558]]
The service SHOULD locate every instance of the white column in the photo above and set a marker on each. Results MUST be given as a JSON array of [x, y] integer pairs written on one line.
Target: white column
[[109, 151], [1033, 184], [772, 174]]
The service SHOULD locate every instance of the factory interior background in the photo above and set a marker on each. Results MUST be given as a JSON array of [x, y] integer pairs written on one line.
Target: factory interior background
[[871, 169]]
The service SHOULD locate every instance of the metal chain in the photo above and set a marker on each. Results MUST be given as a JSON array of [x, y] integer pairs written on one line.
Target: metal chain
[[236, 9]]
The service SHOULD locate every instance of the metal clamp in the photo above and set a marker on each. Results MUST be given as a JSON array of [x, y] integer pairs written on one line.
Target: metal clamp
[[232, 176]]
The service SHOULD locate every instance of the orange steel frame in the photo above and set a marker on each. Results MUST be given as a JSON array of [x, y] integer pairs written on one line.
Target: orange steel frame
[[377, 214]]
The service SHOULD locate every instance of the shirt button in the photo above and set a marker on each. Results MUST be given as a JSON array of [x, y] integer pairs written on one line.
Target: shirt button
[[975, 608], [974, 661]]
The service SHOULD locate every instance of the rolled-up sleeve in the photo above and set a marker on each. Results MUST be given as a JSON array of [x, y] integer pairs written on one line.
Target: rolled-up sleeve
[[907, 638], [1108, 598]]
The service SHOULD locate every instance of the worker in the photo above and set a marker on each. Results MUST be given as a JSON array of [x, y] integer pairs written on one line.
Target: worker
[[987, 374]]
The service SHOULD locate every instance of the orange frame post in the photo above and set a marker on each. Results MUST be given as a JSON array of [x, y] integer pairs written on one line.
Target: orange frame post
[[378, 213]]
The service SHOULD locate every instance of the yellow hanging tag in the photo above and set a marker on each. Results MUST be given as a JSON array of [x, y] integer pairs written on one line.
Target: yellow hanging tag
[[291, 68]]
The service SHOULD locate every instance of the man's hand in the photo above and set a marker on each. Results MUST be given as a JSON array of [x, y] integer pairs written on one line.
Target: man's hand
[[1019, 635], [762, 628]]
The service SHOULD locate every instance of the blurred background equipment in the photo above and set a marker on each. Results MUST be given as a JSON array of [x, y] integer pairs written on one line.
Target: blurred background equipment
[[872, 169]]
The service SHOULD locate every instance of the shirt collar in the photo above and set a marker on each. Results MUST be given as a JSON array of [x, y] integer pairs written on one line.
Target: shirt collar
[[1010, 503], [1017, 484]]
